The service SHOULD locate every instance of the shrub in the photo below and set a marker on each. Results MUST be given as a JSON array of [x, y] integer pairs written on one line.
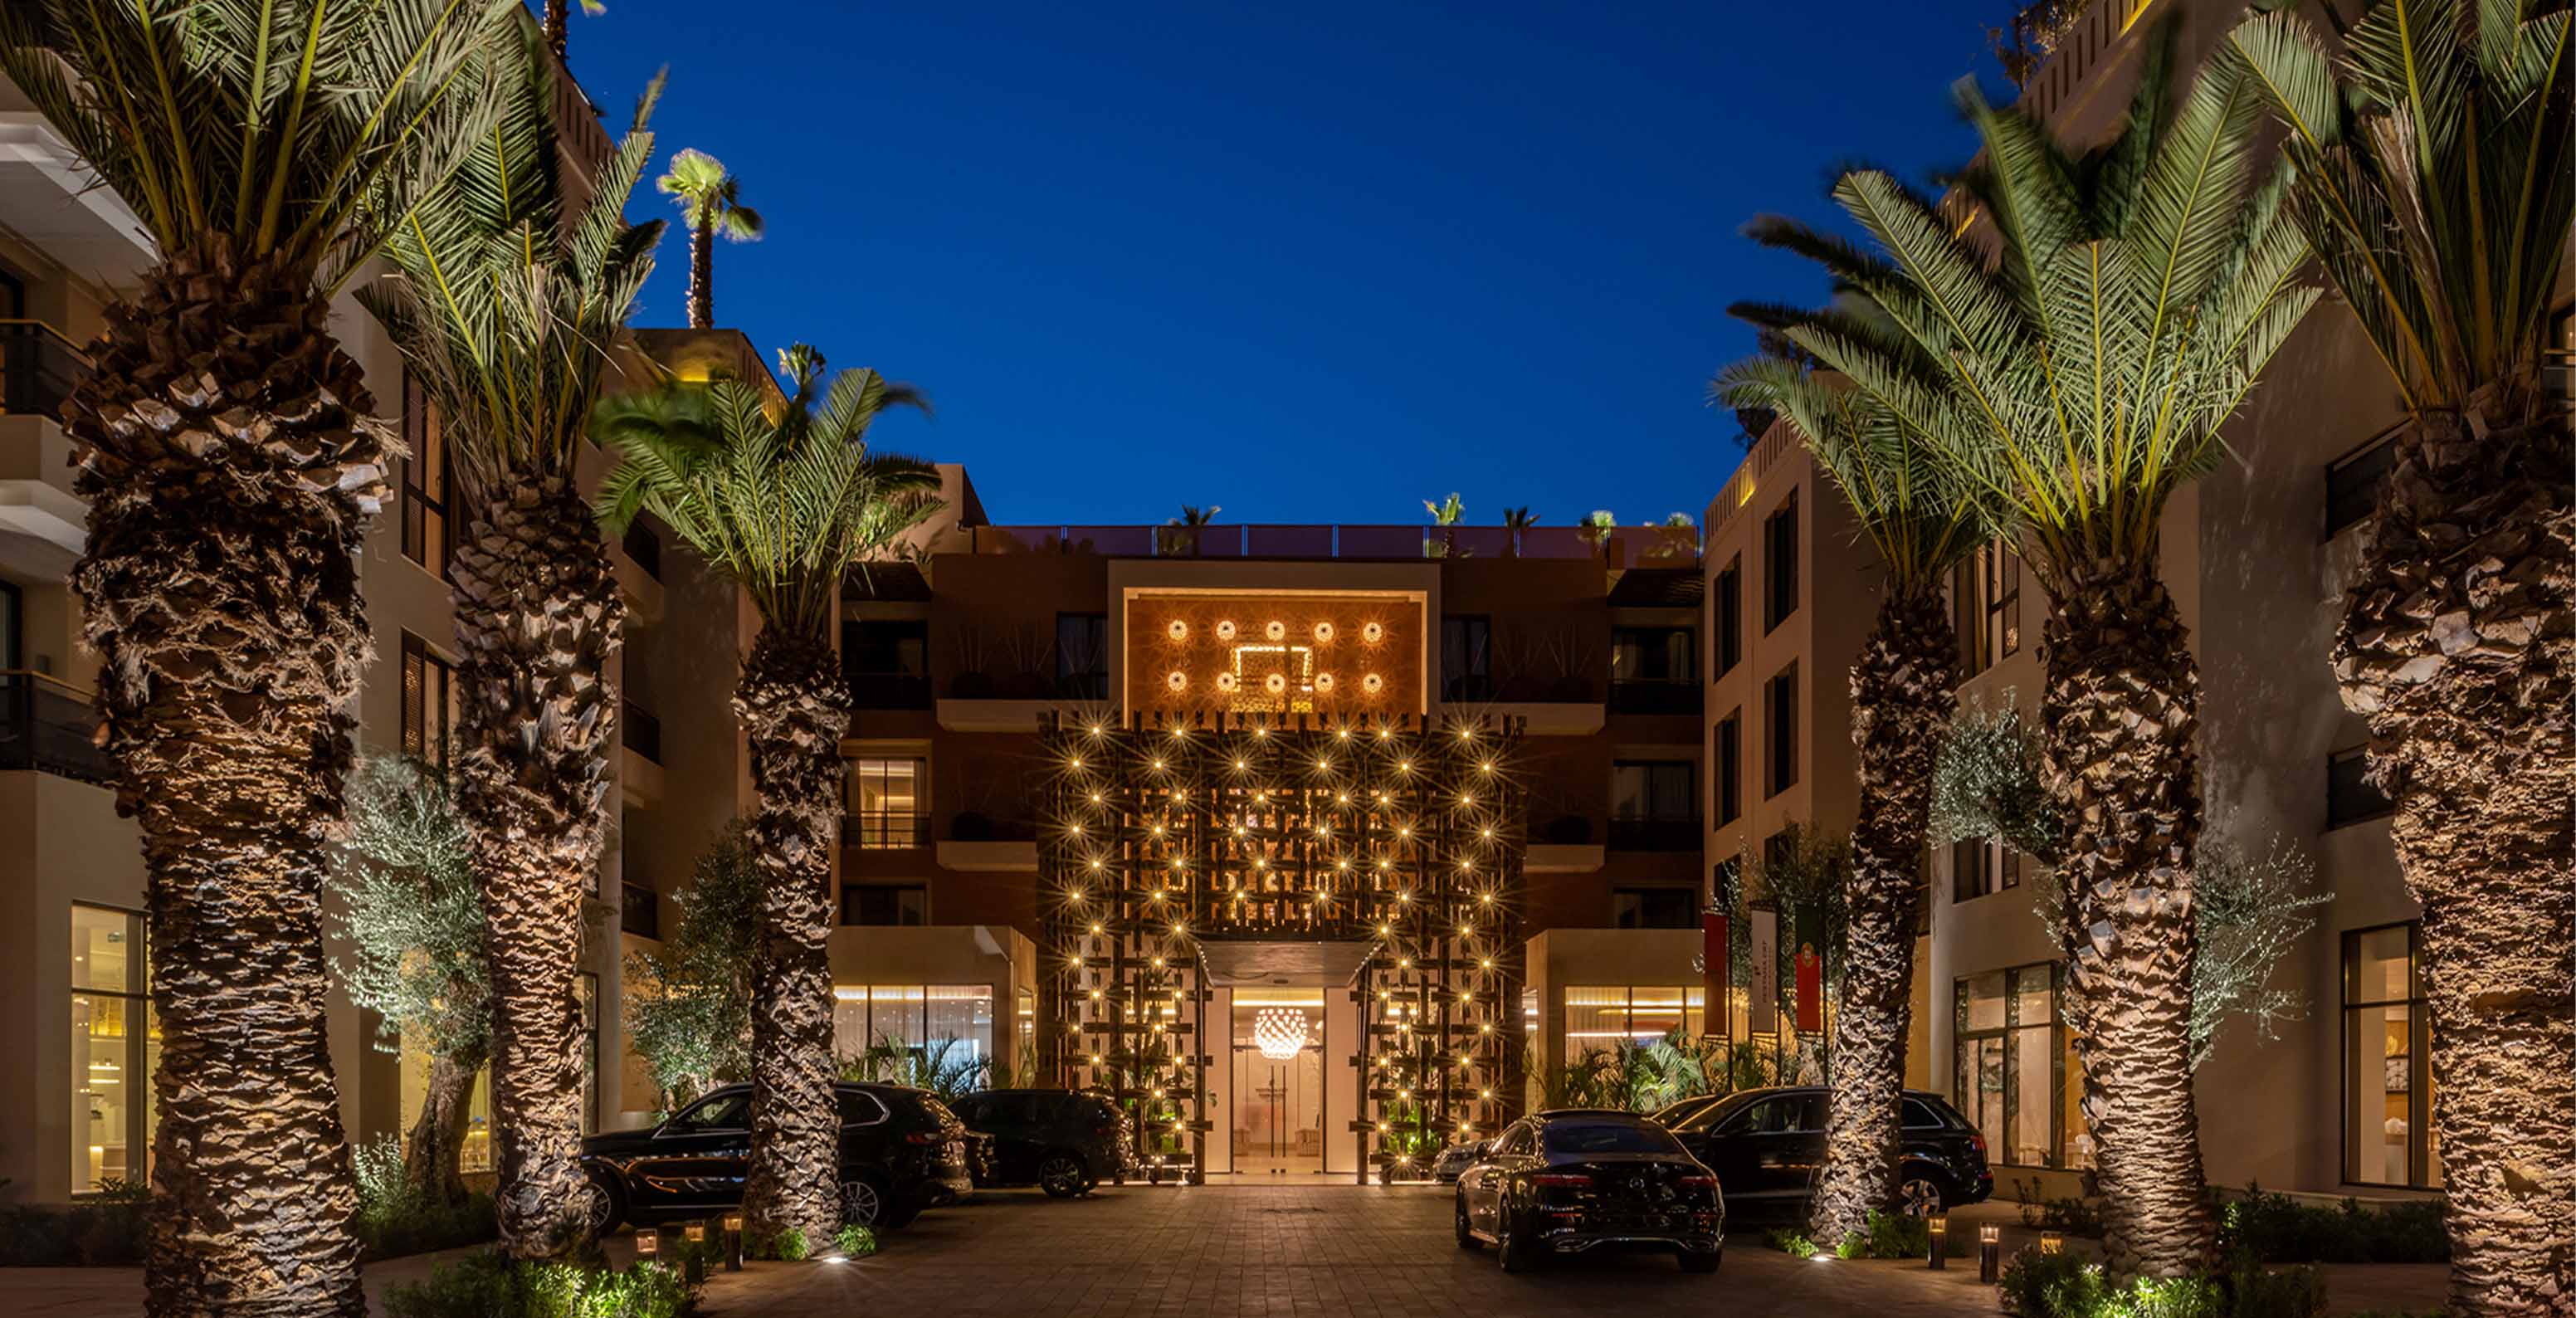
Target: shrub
[[2274, 1228], [492, 1286], [106, 1231], [787, 1246], [2030, 1276], [397, 1216], [1792, 1242], [2037, 1285], [2069, 1216], [1888, 1236], [854, 1241]]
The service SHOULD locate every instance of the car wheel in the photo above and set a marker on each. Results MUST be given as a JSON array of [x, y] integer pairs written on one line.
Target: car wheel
[[1694, 1261], [864, 1202], [607, 1205], [1466, 1238], [1063, 1176], [1918, 1195], [1518, 1253]]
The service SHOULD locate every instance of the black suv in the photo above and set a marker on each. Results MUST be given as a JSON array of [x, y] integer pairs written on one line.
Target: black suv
[[901, 1151], [1055, 1139], [1766, 1146]]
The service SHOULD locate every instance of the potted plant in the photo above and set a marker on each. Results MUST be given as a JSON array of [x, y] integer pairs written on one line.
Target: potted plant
[[1179, 537]]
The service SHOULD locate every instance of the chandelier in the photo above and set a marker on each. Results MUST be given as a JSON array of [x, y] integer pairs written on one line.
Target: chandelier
[[1280, 1032]]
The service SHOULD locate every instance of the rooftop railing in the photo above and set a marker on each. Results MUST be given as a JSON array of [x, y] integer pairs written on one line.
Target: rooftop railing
[[46, 724], [39, 366], [1625, 546]]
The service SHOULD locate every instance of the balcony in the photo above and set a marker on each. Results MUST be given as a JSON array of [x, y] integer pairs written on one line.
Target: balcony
[[885, 830], [1654, 697], [39, 367], [640, 732], [1618, 547], [1656, 834], [890, 691], [47, 726]]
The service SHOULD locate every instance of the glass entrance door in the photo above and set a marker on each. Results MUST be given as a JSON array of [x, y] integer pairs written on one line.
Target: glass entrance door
[[1278, 1105]]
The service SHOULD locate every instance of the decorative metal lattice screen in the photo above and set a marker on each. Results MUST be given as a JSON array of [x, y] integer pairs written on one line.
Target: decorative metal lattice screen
[[1398, 833]]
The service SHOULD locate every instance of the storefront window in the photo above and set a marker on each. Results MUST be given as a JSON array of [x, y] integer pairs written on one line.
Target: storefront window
[[1601, 1018], [2387, 1083], [914, 1017], [2009, 1072], [115, 1045]]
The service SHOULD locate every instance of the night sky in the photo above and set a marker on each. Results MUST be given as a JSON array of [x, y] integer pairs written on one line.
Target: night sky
[[1311, 263]]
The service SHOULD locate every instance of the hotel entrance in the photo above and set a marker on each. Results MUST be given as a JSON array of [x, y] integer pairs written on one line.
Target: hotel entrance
[[1277, 1109]]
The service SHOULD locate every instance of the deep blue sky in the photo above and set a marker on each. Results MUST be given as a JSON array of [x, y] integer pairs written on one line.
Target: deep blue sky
[[1309, 262]]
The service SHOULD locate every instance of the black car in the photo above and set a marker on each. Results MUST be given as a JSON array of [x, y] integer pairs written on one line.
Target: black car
[[1766, 1146], [901, 1151], [1578, 1179], [1058, 1140], [1674, 1113]]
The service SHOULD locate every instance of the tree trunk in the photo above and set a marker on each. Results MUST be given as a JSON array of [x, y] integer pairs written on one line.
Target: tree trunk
[[1900, 710], [537, 617], [557, 25], [702, 274], [431, 1157], [230, 465], [2120, 711], [2459, 644], [794, 706]]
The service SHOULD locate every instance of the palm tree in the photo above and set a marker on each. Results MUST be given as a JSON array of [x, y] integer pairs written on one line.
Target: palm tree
[[782, 497], [510, 288], [1515, 521], [558, 23], [710, 202], [1924, 521], [2072, 364], [225, 446], [1445, 513], [2435, 185]]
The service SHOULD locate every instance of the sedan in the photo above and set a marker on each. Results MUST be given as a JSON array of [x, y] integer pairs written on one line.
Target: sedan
[[1454, 1161], [1573, 1180]]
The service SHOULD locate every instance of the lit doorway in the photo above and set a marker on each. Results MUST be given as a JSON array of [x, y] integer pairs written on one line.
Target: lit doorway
[[1277, 1103]]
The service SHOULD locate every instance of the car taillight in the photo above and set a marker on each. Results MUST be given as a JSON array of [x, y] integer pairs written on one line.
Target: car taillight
[[1697, 1182], [1561, 1178], [1978, 1138], [1105, 1129], [925, 1137]]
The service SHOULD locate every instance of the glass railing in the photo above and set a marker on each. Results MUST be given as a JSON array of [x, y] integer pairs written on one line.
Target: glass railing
[[1623, 546], [48, 725], [39, 367]]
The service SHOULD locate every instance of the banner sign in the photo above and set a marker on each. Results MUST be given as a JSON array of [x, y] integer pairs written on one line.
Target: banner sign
[[1715, 975], [1764, 929]]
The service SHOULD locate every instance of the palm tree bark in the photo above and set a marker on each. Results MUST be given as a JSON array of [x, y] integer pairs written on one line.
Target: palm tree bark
[[537, 619], [225, 447], [2120, 710], [794, 706], [557, 26], [431, 1156], [1900, 710], [2459, 645], [702, 273]]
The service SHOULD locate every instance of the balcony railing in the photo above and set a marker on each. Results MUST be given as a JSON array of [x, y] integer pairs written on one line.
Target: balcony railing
[[47, 725], [1655, 834], [884, 830], [1644, 697], [1626, 546], [890, 690], [641, 732], [39, 366]]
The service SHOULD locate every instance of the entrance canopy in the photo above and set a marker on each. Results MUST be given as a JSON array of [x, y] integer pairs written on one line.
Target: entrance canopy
[[1331, 965]]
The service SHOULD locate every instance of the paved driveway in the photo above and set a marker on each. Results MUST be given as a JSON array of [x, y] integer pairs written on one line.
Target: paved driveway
[[1344, 1250]]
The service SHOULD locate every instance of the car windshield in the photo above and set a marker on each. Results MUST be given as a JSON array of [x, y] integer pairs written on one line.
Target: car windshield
[[723, 1112], [1708, 1117], [1609, 1137]]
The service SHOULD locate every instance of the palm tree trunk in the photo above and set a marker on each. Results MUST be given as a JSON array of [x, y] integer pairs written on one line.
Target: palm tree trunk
[[702, 274], [2457, 644], [795, 707], [537, 617], [557, 25], [431, 1157], [2121, 709], [1900, 710], [230, 465]]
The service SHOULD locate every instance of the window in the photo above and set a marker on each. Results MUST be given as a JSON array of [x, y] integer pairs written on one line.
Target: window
[[639, 910], [1729, 757], [1726, 617], [920, 1018], [1985, 602], [1651, 654], [424, 481], [2353, 481], [1726, 880], [1787, 1115], [1654, 908], [2350, 795], [13, 613], [1605, 1017], [1082, 656], [429, 705], [2558, 353], [885, 903], [2008, 1080], [1980, 866], [1466, 658], [1654, 806], [639, 731], [722, 1112], [1780, 699], [2388, 1137], [113, 1049], [1780, 564], [644, 545], [889, 804], [887, 663]]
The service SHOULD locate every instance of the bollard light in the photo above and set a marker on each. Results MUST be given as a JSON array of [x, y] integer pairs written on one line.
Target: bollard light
[[1939, 1223], [648, 1243], [733, 1242], [694, 1265], [1990, 1253], [2051, 1243]]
